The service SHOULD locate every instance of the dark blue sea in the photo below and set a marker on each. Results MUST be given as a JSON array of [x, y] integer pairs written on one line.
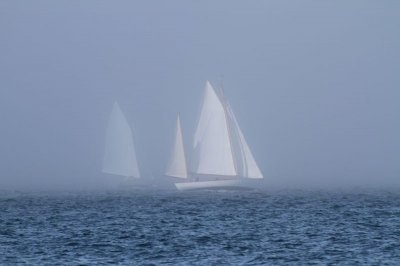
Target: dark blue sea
[[201, 228]]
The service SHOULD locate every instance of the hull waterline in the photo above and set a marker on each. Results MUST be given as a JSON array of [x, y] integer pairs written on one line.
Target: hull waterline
[[213, 185]]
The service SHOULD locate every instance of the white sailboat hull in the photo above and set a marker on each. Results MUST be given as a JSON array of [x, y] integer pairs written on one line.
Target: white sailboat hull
[[236, 184]]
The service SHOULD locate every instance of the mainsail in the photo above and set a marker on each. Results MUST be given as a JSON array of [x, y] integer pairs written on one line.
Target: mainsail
[[219, 146], [119, 154], [213, 153], [177, 165]]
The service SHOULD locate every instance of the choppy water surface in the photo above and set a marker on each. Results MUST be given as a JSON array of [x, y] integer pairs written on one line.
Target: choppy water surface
[[252, 228]]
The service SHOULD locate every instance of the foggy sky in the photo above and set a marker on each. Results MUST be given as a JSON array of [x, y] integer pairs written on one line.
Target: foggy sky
[[314, 85]]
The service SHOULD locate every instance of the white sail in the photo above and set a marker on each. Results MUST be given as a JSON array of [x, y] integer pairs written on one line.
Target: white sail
[[212, 145], [245, 163], [177, 164], [119, 154]]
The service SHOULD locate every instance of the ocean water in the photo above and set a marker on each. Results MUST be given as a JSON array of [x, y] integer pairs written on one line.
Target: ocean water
[[201, 228]]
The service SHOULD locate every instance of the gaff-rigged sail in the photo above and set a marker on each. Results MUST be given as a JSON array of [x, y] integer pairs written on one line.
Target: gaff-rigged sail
[[212, 151], [119, 154], [219, 146]]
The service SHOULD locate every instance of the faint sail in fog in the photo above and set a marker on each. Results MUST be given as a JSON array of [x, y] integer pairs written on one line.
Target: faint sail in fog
[[119, 153]]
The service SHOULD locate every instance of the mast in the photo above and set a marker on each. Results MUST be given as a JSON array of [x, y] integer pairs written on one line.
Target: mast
[[224, 104]]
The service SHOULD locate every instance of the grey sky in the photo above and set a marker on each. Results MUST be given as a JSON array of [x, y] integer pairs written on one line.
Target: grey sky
[[314, 84]]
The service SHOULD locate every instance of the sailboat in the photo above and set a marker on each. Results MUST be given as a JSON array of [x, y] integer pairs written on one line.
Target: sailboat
[[220, 156], [119, 153]]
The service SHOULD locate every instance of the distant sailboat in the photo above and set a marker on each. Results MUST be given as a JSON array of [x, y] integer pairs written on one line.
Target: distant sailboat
[[221, 157], [119, 153]]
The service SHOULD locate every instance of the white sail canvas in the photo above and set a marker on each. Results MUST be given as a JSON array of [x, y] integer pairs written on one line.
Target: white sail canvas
[[177, 164], [245, 162], [119, 154], [212, 145], [219, 149]]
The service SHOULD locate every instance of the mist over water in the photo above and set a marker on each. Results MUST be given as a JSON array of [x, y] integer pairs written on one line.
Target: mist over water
[[314, 86], [201, 228]]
